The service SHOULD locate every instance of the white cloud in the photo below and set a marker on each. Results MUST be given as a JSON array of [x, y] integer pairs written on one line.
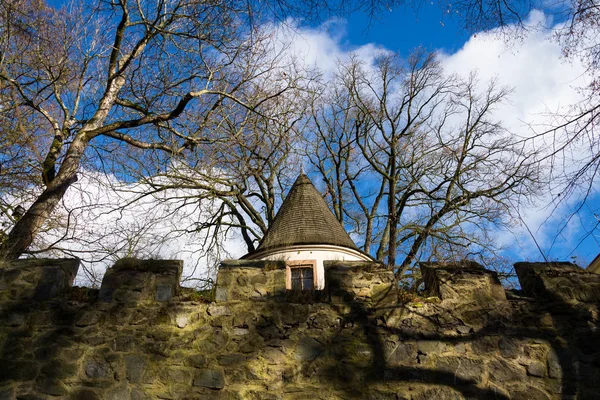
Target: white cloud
[[321, 46], [103, 226], [542, 80]]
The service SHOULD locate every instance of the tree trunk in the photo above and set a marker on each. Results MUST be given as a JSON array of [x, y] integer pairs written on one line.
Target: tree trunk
[[393, 218], [26, 229], [392, 209]]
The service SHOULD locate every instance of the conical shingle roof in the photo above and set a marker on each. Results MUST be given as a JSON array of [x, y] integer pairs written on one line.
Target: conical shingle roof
[[303, 219]]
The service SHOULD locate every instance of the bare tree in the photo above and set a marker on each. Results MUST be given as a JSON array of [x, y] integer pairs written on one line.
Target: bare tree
[[134, 74], [441, 168], [244, 172], [569, 138], [334, 154], [122, 72]]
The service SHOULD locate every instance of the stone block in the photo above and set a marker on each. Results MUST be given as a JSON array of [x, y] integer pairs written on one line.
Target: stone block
[[164, 292], [536, 368], [558, 281], [464, 281], [503, 371], [250, 279], [52, 387], [182, 321], [97, 370], [367, 282], [308, 349], [400, 353], [135, 365], [462, 368], [41, 279], [131, 281], [176, 374], [85, 394], [221, 294], [59, 370], [210, 378]]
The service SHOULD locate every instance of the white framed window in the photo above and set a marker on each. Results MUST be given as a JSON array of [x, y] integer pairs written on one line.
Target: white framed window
[[301, 275]]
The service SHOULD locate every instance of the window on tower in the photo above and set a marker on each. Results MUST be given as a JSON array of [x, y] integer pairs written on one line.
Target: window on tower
[[300, 275]]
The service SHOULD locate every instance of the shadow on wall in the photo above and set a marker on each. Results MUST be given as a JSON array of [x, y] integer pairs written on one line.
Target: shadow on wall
[[139, 341]]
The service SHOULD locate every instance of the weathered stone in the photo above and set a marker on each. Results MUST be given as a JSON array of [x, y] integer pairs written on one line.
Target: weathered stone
[[460, 348], [242, 280], [52, 387], [274, 356], [559, 281], [95, 340], [240, 331], [118, 392], [135, 365], [308, 349], [40, 279], [400, 352], [509, 347], [176, 374], [164, 293], [182, 321], [502, 371], [442, 393], [466, 281], [196, 360], [536, 351], [85, 394], [94, 370], [554, 368], [529, 393], [130, 281], [88, 319], [231, 359], [430, 346], [462, 368], [464, 330], [217, 310], [260, 279], [210, 378], [123, 343], [536, 368], [57, 370], [221, 294]]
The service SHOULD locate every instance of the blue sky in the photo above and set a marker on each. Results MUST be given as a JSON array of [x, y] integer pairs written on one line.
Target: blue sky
[[403, 29]]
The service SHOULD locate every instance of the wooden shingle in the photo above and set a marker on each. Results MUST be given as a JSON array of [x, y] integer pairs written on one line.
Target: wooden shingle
[[303, 219]]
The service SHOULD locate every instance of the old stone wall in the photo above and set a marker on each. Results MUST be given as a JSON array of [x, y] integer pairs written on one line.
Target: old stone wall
[[140, 338]]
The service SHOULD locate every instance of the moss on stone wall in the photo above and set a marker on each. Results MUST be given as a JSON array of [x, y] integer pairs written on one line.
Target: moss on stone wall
[[355, 343]]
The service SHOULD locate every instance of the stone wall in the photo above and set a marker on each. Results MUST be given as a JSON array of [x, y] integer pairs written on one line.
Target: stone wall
[[140, 339]]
